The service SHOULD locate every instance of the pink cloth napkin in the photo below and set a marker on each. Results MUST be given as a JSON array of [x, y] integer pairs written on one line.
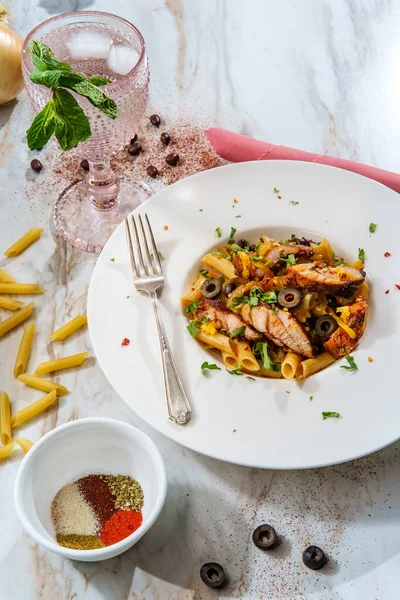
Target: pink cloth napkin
[[239, 148]]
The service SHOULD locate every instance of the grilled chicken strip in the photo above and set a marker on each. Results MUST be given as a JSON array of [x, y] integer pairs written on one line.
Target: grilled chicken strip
[[215, 310], [340, 343], [320, 276], [280, 327]]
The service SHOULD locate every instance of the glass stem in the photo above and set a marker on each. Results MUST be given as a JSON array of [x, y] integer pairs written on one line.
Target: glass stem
[[102, 186]]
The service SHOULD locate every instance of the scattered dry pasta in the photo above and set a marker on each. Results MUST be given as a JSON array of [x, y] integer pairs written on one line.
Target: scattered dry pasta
[[23, 242], [68, 328]]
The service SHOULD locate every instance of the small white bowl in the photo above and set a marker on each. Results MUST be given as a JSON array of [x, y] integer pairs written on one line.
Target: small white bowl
[[77, 449]]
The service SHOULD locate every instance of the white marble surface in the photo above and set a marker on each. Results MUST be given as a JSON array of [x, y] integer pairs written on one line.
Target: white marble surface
[[320, 75]]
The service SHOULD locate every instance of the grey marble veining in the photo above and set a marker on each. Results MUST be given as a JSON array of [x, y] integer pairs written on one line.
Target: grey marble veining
[[319, 75]]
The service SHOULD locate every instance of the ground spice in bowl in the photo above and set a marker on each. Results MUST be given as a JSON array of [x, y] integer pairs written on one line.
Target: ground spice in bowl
[[96, 511]]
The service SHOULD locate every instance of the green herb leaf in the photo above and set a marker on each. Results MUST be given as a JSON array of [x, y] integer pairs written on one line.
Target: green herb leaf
[[43, 58], [160, 256], [261, 350], [42, 127], [204, 272], [200, 210], [361, 254], [218, 231], [71, 123], [238, 331], [275, 311], [98, 80], [269, 297], [276, 191], [128, 296], [204, 320], [55, 78], [311, 398], [293, 202], [235, 372], [233, 231], [112, 259], [234, 430], [192, 307], [330, 415], [352, 365], [290, 260], [251, 378], [238, 216], [193, 327], [212, 367], [372, 227], [95, 96], [338, 262]]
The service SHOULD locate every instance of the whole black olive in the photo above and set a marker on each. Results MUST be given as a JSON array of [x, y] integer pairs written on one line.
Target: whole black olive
[[289, 297], [211, 288], [264, 537], [213, 575], [230, 287], [242, 243], [332, 302], [314, 558], [325, 326]]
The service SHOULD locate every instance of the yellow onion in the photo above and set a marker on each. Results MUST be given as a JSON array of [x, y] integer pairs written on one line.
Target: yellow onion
[[11, 80]]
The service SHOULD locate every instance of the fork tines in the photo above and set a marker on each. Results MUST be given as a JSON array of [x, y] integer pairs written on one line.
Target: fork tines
[[143, 251]]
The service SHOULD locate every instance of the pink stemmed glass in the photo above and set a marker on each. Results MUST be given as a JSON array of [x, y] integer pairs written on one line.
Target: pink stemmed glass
[[96, 43]]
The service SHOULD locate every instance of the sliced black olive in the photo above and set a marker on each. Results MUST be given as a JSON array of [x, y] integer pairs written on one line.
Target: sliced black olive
[[289, 297], [325, 326], [242, 243], [332, 302], [264, 537], [229, 289], [314, 558], [211, 288], [252, 248], [213, 575]]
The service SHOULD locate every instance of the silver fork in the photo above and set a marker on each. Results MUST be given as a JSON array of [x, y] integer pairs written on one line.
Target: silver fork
[[148, 277]]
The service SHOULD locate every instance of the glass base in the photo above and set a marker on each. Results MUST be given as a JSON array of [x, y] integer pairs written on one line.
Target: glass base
[[79, 223]]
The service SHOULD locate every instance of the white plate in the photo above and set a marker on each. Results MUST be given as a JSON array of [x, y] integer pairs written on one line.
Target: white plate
[[257, 423]]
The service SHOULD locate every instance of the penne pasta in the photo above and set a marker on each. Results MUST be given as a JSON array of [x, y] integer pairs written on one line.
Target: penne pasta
[[220, 264], [245, 356], [17, 318], [290, 364], [42, 384], [24, 444], [68, 328], [6, 450], [26, 240], [194, 292], [20, 288], [61, 363], [229, 360], [271, 374], [218, 340], [6, 278], [24, 349], [5, 419], [363, 290], [313, 365], [9, 303], [34, 409]]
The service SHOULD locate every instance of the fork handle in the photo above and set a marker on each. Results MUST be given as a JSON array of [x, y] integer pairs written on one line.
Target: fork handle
[[178, 406]]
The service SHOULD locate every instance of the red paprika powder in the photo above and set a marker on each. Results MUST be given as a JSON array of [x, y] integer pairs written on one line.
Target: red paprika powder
[[120, 525]]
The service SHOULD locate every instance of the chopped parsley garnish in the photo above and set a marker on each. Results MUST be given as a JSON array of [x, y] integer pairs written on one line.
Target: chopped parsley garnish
[[213, 367], [251, 378], [160, 256], [276, 191], [128, 296], [235, 372], [204, 272], [351, 366], [275, 311], [112, 259], [290, 260], [236, 250], [218, 231], [233, 231], [234, 430], [238, 216], [330, 415], [256, 296], [192, 307], [293, 202], [261, 350], [193, 327], [200, 210], [338, 262], [311, 398], [287, 392], [372, 227], [238, 331], [216, 253], [269, 297], [361, 254]]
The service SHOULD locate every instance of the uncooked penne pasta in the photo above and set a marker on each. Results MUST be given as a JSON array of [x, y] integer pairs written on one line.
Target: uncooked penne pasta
[[42, 384], [245, 356], [20, 288], [9, 303], [220, 264], [218, 340], [313, 365], [6, 450], [290, 364], [60, 363], [68, 328], [24, 349], [34, 409], [24, 444], [17, 318], [5, 418], [194, 292], [6, 278], [26, 240]]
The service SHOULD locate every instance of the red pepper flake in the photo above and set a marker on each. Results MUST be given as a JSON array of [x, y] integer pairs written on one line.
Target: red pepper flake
[[280, 197], [387, 254], [125, 342], [397, 285], [165, 227], [387, 291], [247, 348]]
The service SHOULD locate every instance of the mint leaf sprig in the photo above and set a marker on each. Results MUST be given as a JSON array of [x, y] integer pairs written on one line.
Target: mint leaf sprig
[[62, 115]]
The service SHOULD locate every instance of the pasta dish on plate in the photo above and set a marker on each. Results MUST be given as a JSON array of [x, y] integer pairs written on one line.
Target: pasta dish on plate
[[285, 308]]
